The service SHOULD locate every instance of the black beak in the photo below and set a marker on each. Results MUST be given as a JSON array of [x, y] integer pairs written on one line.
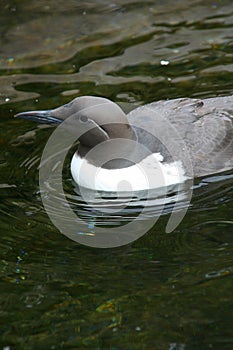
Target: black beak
[[44, 117]]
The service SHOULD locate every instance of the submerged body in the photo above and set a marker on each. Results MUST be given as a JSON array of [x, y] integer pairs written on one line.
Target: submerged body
[[156, 145]]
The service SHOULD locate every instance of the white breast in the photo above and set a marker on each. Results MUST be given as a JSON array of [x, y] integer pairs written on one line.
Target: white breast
[[150, 173]]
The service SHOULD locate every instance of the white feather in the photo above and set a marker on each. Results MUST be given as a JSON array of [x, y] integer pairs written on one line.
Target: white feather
[[150, 173]]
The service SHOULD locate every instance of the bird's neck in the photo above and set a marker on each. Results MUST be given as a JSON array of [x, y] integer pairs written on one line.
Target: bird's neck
[[115, 153]]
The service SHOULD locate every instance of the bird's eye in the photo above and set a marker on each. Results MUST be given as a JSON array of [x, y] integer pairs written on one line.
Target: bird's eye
[[83, 119]]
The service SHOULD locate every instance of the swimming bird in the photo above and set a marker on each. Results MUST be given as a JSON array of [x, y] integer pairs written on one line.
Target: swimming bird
[[159, 144]]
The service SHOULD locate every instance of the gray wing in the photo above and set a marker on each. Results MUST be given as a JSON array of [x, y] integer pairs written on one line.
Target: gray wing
[[204, 126], [211, 143]]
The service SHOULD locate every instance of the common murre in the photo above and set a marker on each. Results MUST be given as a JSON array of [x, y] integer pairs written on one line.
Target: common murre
[[160, 144]]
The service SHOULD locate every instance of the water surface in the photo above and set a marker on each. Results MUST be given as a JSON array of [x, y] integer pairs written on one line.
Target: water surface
[[164, 291]]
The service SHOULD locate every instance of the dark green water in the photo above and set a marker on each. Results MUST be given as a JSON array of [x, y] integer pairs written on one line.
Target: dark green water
[[164, 291]]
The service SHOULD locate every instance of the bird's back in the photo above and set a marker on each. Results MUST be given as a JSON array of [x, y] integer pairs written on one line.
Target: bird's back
[[198, 132]]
